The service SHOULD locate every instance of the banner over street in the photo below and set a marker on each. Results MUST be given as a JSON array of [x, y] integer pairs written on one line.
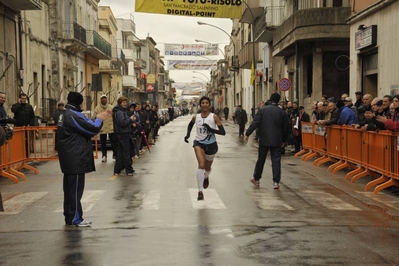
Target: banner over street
[[192, 8], [191, 64], [191, 49]]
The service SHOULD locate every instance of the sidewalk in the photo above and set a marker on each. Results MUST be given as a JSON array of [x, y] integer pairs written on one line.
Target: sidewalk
[[387, 201]]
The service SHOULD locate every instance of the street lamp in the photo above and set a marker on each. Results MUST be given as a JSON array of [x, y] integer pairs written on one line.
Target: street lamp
[[194, 77], [224, 56], [234, 52], [202, 74]]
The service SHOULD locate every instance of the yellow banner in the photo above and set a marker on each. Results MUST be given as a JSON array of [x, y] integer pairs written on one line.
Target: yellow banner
[[192, 8]]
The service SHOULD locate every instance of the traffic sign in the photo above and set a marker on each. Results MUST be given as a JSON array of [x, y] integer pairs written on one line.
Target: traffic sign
[[150, 87], [284, 84]]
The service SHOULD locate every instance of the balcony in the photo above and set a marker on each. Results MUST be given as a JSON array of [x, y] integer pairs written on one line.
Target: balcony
[[255, 10], [140, 63], [112, 67], [129, 81], [73, 37], [267, 24], [98, 47], [246, 55], [325, 24], [23, 4], [127, 27]]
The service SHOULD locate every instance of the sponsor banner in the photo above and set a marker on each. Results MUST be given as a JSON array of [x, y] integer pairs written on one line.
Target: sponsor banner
[[192, 8], [188, 85], [191, 64], [191, 49]]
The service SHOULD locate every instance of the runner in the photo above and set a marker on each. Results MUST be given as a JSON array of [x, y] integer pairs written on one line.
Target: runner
[[205, 145]]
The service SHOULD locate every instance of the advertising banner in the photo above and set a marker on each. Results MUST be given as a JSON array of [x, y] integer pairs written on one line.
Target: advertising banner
[[188, 85], [191, 64], [191, 49], [192, 8]]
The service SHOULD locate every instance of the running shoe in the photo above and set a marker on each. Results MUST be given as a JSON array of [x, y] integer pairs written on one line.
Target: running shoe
[[200, 196], [206, 182]]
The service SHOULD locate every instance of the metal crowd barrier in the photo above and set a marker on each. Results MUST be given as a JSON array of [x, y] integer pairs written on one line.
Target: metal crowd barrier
[[365, 153]]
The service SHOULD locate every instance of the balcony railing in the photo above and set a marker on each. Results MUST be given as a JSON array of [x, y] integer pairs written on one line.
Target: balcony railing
[[129, 81], [94, 39], [24, 4], [270, 20], [73, 31], [111, 67], [246, 55], [140, 63]]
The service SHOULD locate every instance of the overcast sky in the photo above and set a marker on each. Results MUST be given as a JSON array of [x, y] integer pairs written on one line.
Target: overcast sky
[[173, 29]]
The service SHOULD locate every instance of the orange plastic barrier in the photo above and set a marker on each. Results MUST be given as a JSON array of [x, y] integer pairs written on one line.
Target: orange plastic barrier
[[28, 144], [307, 139], [366, 153]]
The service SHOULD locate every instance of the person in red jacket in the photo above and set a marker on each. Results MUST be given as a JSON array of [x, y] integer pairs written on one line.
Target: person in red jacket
[[392, 123]]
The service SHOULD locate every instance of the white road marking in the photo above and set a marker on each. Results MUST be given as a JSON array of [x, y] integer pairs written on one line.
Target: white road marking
[[212, 199], [88, 200], [150, 200], [268, 201], [330, 201], [20, 202]]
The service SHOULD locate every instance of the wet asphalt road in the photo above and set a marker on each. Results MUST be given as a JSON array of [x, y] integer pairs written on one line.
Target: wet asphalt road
[[153, 218]]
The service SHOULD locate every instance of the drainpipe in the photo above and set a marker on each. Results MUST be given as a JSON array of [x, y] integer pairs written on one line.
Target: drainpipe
[[296, 72], [21, 64]]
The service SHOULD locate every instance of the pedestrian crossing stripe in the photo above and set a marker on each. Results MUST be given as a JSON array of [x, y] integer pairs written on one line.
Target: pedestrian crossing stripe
[[21, 201], [150, 200], [14, 203], [90, 197], [212, 199], [330, 201]]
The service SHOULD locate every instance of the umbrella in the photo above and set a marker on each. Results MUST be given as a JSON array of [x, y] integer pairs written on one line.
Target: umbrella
[[145, 140]]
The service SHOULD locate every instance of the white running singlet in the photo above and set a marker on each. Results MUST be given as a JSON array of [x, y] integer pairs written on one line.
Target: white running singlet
[[203, 136]]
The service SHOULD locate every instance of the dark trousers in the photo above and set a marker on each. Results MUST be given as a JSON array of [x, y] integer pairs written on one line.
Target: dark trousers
[[241, 126], [103, 140], [226, 116], [123, 156], [276, 162], [297, 143], [73, 191]]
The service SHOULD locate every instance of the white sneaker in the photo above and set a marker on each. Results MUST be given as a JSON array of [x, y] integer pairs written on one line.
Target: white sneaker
[[136, 157], [104, 159], [85, 223]]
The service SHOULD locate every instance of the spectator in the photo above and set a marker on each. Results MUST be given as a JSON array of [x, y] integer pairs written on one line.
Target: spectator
[[56, 116], [123, 130], [57, 113], [386, 102], [154, 122], [366, 106], [23, 112], [241, 118], [3, 112], [323, 98], [107, 129], [301, 117], [359, 98], [346, 115], [273, 132], [393, 123], [226, 113], [171, 112], [76, 155], [343, 96], [333, 115]]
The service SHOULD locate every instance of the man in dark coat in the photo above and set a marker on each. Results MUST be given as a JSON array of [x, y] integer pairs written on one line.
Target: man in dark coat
[[74, 133], [226, 113], [241, 118], [273, 127], [23, 112]]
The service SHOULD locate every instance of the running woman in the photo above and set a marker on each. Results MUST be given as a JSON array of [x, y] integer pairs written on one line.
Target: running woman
[[205, 145]]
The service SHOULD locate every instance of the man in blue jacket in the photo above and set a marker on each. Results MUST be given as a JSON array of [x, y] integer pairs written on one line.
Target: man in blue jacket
[[346, 115], [74, 133]]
